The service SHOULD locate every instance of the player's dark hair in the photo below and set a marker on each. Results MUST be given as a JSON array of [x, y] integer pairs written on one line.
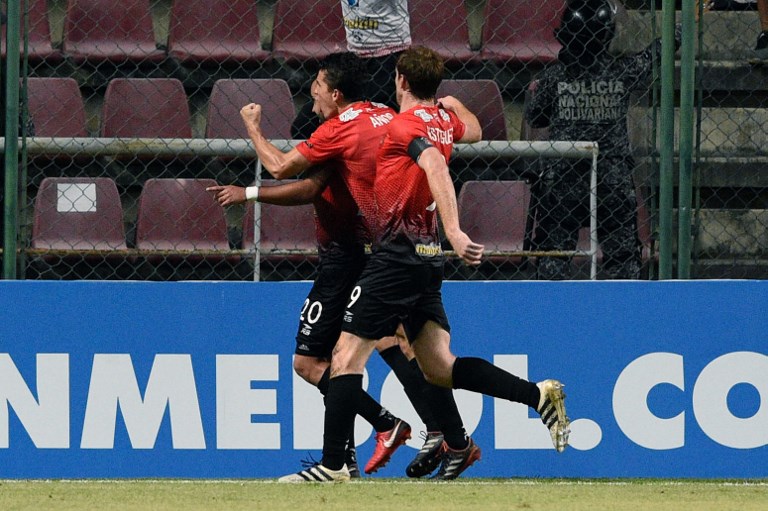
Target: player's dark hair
[[423, 68], [347, 73]]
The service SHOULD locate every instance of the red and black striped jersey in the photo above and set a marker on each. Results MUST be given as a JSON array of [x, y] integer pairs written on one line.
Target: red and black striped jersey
[[406, 216], [349, 142]]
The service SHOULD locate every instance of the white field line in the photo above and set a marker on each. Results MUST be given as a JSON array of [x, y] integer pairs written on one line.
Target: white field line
[[464, 482]]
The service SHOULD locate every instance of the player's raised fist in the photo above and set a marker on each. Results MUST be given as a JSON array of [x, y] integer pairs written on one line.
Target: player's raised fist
[[251, 114]]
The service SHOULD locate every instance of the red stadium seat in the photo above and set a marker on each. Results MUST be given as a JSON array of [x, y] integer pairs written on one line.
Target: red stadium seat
[[521, 32], [57, 107], [39, 45], [442, 26], [74, 213], [215, 31], [230, 95], [145, 107], [495, 213], [287, 232], [483, 98], [307, 31], [105, 30], [179, 215]]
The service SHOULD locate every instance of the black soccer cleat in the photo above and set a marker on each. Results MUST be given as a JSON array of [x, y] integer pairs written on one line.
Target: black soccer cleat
[[453, 463], [429, 456]]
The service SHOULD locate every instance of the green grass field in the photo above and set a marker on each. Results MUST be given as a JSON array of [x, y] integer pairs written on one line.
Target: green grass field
[[386, 494]]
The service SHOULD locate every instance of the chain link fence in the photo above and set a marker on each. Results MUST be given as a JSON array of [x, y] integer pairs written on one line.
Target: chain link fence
[[181, 70]]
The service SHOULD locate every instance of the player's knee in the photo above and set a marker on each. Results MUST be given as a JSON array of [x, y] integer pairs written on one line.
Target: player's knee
[[308, 369], [437, 376], [385, 343]]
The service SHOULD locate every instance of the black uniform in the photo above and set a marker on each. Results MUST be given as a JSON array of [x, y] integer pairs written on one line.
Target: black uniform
[[585, 96]]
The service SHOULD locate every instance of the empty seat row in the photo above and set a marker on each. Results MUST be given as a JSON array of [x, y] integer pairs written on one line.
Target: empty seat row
[[158, 107], [502, 216], [228, 31], [177, 217], [174, 217]]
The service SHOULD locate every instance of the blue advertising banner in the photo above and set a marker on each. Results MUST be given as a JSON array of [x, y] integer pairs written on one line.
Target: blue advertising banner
[[195, 380]]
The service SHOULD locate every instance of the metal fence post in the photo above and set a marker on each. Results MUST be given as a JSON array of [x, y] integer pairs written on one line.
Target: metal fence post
[[11, 161], [685, 190], [667, 142]]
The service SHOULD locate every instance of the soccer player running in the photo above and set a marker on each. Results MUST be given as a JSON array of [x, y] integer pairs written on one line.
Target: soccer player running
[[402, 279], [345, 144]]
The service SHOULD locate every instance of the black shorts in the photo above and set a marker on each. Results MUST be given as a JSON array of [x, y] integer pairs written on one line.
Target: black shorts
[[323, 309], [389, 293]]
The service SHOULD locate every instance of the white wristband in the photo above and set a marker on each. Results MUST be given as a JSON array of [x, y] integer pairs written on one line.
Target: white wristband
[[252, 193]]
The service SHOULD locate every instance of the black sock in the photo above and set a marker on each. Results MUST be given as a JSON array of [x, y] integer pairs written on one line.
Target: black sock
[[378, 416], [340, 409], [481, 376], [350, 438], [369, 409], [427, 416], [412, 380], [448, 417], [322, 385]]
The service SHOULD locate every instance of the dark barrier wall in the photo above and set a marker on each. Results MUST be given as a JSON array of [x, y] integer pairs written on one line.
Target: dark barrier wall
[[106, 379]]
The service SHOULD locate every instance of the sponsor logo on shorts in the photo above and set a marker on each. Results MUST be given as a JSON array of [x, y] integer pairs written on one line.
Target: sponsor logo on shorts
[[430, 250]]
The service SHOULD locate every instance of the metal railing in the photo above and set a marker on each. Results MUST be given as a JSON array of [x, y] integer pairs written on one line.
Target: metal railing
[[485, 150]]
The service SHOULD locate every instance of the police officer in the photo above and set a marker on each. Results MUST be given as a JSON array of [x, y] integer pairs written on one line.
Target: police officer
[[585, 96]]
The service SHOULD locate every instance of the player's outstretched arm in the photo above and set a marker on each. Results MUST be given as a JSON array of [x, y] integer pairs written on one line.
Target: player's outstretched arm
[[226, 195], [298, 192], [294, 193]]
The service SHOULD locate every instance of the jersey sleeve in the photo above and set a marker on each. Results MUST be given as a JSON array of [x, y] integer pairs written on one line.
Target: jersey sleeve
[[402, 131], [324, 144]]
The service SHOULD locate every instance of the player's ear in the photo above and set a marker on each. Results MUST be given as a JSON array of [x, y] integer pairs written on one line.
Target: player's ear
[[401, 81]]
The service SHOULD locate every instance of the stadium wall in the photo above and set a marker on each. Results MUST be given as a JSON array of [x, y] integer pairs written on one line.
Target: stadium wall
[[194, 380]]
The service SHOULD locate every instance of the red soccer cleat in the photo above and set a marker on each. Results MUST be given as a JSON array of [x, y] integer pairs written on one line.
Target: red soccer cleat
[[387, 443]]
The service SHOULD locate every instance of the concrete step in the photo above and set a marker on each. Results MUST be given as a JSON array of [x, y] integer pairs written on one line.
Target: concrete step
[[725, 132], [726, 36], [726, 58], [732, 233]]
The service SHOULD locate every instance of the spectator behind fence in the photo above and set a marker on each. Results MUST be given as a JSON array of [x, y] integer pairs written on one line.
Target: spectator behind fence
[[585, 96], [377, 30]]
